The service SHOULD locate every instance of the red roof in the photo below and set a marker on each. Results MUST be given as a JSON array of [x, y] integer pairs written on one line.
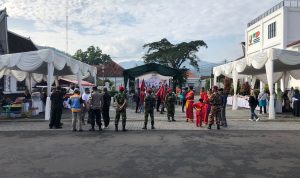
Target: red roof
[[294, 43], [83, 83], [190, 74], [111, 69]]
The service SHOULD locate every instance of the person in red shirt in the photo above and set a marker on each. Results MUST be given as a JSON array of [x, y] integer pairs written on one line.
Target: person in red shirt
[[205, 99], [142, 99], [189, 105], [199, 106]]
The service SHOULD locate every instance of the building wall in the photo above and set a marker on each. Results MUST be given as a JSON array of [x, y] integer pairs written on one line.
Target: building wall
[[293, 24]]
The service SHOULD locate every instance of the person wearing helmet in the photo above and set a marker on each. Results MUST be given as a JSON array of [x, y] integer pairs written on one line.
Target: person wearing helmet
[[215, 102], [149, 108], [121, 104], [170, 101]]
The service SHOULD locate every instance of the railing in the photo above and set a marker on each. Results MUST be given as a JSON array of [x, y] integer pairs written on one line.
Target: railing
[[286, 3]]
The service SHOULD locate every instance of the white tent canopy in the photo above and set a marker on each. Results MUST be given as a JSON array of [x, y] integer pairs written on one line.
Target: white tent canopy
[[41, 64], [269, 66]]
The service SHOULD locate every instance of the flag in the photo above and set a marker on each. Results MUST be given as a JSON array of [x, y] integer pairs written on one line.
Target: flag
[[143, 85], [3, 33]]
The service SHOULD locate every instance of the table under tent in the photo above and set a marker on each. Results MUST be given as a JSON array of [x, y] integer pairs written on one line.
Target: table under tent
[[269, 66], [44, 64]]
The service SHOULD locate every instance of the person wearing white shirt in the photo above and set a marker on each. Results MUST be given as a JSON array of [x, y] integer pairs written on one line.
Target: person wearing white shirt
[[85, 107]]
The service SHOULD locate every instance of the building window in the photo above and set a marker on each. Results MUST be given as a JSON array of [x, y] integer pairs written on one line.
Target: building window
[[21, 86], [272, 30]]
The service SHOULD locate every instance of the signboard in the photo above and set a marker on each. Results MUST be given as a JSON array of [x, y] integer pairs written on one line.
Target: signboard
[[254, 38]]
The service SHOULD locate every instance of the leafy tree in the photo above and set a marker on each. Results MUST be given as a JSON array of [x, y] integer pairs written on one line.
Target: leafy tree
[[93, 56], [173, 55]]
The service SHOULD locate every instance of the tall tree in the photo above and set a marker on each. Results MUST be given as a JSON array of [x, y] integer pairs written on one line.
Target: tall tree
[[173, 55], [93, 56]]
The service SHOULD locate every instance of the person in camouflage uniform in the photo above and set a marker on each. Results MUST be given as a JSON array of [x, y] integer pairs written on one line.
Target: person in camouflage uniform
[[215, 100], [149, 109], [121, 104], [170, 102]]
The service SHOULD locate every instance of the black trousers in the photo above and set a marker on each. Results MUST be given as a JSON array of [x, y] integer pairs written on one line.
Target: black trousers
[[137, 106], [260, 109], [158, 105], [55, 117], [183, 105], [96, 114], [106, 118]]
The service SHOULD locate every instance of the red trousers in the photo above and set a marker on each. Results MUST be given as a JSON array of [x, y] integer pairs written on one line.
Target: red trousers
[[205, 114], [199, 118], [189, 110]]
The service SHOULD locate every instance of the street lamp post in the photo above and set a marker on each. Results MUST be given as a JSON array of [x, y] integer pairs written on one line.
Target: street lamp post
[[103, 73]]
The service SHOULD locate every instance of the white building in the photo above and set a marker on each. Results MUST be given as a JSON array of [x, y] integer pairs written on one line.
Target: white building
[[279, 27]]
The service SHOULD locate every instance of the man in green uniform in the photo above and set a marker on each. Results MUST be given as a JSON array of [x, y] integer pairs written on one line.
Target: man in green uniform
[[149, 108], [215, 101], [121, 104], [171, 101]]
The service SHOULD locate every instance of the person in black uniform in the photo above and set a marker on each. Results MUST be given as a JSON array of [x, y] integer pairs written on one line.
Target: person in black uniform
[[56, 108], [105, 109]]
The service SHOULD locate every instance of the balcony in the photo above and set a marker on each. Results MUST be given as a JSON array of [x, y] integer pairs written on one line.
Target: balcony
[[285, 3]]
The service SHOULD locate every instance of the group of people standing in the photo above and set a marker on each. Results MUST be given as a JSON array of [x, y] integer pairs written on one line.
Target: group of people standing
[[210, 108], [94, 103]]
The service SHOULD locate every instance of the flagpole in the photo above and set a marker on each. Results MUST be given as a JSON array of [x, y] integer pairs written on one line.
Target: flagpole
[[67, 26]]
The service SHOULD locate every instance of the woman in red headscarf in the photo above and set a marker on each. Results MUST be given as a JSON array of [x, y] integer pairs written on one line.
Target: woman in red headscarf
[[189, 104]]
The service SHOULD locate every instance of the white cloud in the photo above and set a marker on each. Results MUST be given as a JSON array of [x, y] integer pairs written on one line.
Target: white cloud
[[121, 27]]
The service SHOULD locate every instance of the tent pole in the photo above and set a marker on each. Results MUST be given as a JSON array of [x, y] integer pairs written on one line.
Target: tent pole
[[235, 81], [49, 84], [79, 81], [269, 71]]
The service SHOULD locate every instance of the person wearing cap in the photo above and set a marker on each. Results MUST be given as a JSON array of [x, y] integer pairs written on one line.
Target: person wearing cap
[[149, 108], [224, 96], [170, 101], [96, 104], [75, 103], [216, 101], [121, 104], [57, 100], [189, 105]]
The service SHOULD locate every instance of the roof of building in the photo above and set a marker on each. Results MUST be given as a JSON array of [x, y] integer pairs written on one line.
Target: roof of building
[[111, 69], [18, 43], [294, 43], [191, 74]]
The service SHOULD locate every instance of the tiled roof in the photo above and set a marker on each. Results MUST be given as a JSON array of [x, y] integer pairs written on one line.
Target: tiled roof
[[18, 43], [111, 69], [190, 74], [294, 43]]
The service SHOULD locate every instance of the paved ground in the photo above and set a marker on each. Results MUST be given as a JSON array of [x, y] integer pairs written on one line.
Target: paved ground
[[237, 120], [246, 154], [177, 149]]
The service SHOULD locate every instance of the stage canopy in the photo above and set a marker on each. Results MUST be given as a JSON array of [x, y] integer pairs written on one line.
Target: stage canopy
[[269, 66], [131, 74], [46, 64]]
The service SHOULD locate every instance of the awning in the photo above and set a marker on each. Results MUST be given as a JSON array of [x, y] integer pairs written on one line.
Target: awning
[[83, 83]]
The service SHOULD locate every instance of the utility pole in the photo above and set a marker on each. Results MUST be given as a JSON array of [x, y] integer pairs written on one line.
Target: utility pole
[[67, 26]]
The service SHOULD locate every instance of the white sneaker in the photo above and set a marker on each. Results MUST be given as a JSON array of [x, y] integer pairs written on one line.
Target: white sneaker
[[257, 119], [250, 119]]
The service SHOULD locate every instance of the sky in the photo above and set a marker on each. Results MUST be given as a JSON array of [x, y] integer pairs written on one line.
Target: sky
[[121, 27]]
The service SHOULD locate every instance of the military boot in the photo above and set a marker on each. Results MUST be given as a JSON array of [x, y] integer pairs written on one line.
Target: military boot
[[218, 126], [209, 126], [173, 119], [152, 125], [169, 119], [116, 128], [124, 129], [145, 126]]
